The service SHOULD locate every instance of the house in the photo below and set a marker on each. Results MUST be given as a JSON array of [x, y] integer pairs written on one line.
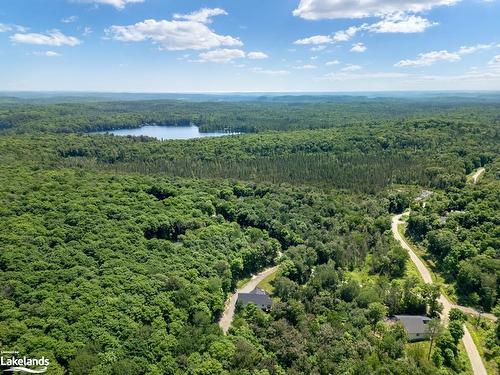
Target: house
[[416, 326], [257, 297], [424, 195]]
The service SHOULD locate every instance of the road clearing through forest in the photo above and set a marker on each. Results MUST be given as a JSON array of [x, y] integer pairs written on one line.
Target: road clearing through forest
[[230, 306], [472, 352], [478, 174]]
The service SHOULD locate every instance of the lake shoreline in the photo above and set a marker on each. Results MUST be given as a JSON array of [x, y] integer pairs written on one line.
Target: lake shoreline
[[164, 133]]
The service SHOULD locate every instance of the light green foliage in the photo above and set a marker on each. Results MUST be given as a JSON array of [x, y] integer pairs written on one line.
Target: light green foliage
[[117, 254]]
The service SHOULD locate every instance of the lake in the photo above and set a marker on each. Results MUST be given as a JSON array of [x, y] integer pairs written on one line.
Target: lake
[[166, 132]]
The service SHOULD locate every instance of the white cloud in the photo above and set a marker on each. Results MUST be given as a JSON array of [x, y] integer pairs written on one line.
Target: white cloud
[[330, 9], [227, 55], [186, 32], [316, 39], [87, 30], [358, 47], [47, 54], [333, 62], [495, 60], [305, 67], [351, 68], [69, 19], [430, 58], [363, 76], [346, 35], [221, 56], [471, 76], [52, 38], [270, 72], [401, 23], [339, 36], [118, 4], [467, 50], [318, 48], [257, 55], [393, 23], [203, 15], [4, 27]]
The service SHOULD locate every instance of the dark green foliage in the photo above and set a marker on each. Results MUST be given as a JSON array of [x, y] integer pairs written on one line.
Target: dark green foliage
[[460, 229], [281, 113], [117, 254]]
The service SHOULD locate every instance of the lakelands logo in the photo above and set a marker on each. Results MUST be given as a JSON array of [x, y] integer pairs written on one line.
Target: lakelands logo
[[11, 363]]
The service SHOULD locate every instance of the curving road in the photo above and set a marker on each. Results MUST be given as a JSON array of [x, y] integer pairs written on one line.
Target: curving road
[[474, 357], [228, 315]]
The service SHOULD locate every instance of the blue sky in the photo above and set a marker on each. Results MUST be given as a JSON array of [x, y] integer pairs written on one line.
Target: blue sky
[[249, 45]]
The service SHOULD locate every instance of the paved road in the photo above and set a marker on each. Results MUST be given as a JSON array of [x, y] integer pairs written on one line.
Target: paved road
[[474, 357], [478, 174], [228, 315]]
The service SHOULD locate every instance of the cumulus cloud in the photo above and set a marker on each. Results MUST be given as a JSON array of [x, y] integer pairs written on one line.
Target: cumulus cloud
[[4, 27], [430, 58], [184, 32], [52, 38], [393, 23], [467, 50], [339, 36], [495, 60], [345, 76], [257, 55], [358, 47], [228, 55], [118, 4], [270, 72], [401, 23], [222, 56], [333, 62], [316, 39], [306, 67], [351, 68], [69, 19], [318, 48], [87, 30], [203, 15], [345, 35], [47, 54], [330, 9]]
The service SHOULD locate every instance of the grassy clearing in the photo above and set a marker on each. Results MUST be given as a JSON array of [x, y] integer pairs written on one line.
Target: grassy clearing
[[447, 289], [470, 176], [242, 282], [420, 350], [480, 333], [411, 269], [266, 283], [364, 277], [464, 358]]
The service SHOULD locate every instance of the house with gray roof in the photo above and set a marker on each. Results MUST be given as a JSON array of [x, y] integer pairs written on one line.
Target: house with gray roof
[[257, 297], [416, 326]]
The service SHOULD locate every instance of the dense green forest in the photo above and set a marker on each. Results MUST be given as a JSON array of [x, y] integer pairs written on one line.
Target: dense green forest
[[364, 157], [460, 230], [281, 113], [117, 253]]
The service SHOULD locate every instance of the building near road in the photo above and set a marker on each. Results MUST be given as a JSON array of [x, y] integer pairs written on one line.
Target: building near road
[[257, 297], [416, 326]]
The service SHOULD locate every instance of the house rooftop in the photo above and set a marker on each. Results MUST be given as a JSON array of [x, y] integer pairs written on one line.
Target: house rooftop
[[414, 323], [257, 296]]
